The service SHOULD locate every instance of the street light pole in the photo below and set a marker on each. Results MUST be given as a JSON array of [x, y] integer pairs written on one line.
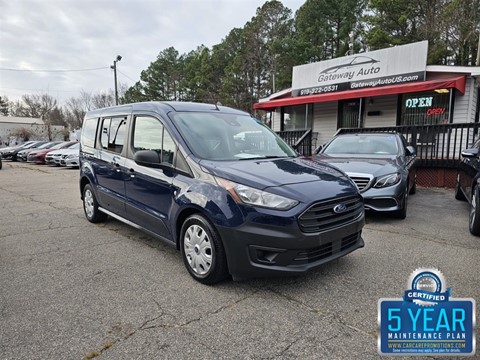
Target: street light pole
[[114, 67]]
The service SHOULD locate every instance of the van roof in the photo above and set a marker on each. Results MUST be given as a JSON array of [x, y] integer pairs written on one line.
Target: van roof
[[163, 106]]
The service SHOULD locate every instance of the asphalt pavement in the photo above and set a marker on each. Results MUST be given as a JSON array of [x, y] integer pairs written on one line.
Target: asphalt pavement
[[70, 289]]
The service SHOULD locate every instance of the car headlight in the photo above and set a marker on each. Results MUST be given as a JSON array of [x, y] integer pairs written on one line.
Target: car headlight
[[251, 196], [388, 180], [70, 156]]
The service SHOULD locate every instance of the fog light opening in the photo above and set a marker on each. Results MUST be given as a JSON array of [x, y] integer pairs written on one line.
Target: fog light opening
[[267, 256]]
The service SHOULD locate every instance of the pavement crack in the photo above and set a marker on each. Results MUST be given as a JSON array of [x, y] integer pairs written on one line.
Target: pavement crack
[[117, 329], [319, 312]]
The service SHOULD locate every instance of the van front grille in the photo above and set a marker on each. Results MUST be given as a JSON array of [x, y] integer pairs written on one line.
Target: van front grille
[[330, 214], [326, 250]]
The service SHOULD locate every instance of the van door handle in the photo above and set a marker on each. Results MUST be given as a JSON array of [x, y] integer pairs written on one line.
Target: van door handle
[[116, 166]]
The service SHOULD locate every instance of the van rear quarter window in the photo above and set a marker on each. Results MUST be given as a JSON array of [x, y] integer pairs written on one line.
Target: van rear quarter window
[[88, 132]]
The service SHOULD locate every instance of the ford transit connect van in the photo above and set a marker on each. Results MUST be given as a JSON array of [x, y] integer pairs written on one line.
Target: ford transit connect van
[[220, 186]]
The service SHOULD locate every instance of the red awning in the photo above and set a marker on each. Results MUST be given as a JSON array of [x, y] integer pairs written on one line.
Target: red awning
[[457, 82]]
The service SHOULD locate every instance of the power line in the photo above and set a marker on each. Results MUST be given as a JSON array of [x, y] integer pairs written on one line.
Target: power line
[[128, 77], [44, 90], [53, 71]]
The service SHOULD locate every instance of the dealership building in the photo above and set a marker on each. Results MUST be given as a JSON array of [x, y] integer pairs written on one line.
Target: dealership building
[[387, 87]]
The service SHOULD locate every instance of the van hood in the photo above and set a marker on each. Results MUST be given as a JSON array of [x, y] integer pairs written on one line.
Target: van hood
[[303, 178]]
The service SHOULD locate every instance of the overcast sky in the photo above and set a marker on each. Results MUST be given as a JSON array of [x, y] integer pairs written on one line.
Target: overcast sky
[[83, 34]]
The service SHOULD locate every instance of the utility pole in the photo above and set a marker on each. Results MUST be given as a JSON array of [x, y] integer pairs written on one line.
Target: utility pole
[[478, 50], [114, 67]]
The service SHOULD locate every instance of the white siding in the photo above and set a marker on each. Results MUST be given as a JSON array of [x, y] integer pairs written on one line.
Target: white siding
[[325, 120], [465, 104], [387, 105], [275, 120]]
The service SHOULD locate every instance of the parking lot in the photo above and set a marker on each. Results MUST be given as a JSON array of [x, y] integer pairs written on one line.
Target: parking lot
[[71, 290]]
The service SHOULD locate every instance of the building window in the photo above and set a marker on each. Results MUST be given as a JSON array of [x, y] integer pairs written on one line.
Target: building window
[[426, 108], [297, 117], [350, 113]]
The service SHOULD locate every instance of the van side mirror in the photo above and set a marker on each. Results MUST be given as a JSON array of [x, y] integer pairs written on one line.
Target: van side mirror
[[147, 158]]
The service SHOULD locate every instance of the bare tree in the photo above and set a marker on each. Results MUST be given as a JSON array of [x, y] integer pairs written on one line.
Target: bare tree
[[103, 99], [34, 106], [23, 133], [75, 109]]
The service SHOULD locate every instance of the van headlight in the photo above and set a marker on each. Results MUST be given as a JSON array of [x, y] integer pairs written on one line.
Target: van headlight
[[251, 196], [387, 180]]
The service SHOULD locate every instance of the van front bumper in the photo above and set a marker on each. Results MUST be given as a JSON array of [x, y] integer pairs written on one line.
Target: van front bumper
[[261, 250]]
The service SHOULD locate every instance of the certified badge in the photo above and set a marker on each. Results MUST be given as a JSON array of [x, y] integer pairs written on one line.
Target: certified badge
[[427, 287], [426, 321]]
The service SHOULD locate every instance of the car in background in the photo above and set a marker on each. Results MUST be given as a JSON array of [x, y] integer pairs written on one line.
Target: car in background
[[382, 166], [52, 155], [72, 160], [38, 156], [55, 157], [10, 153], [23, 154], [468, 185], [10, 148]]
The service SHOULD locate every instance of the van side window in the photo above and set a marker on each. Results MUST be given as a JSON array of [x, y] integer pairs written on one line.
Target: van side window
[[113, 134], [105, 130], [117, 134], [89, 130], [150, 134], [168, 148]]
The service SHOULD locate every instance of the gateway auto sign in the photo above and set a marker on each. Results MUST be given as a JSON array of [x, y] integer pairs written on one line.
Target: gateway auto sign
[[390, 66]]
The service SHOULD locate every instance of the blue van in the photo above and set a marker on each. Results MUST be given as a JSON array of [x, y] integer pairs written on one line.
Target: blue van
[[219, 185]]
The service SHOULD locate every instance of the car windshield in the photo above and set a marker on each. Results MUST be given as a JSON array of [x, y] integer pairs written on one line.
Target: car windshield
[[360, 145], [34, 145], [58, 146], [74, 146], [47, 145], [229, 137]]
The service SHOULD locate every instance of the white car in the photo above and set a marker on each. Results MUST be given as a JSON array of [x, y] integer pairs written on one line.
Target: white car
[[69, 154], [72, 160], [54, 157]]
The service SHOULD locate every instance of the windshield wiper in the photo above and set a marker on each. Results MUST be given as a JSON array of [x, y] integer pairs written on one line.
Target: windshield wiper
[[263, 157]]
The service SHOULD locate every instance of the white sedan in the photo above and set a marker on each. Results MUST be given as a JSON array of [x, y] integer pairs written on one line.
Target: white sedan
[[72, 160], [54, 157]]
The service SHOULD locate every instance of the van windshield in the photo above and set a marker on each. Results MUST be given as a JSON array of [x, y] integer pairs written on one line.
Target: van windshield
[[218, 136]]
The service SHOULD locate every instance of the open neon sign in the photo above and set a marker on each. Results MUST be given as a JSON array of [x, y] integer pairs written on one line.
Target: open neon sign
[[436, 111]]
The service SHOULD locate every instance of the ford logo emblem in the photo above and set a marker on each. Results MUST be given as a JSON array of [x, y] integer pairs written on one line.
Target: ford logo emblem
[[340, 208]]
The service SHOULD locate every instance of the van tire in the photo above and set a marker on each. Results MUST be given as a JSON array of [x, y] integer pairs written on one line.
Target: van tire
[[202, 250], [90, 206]]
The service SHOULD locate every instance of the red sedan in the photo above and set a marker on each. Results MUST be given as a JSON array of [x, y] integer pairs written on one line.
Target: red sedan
[[38, 156]]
